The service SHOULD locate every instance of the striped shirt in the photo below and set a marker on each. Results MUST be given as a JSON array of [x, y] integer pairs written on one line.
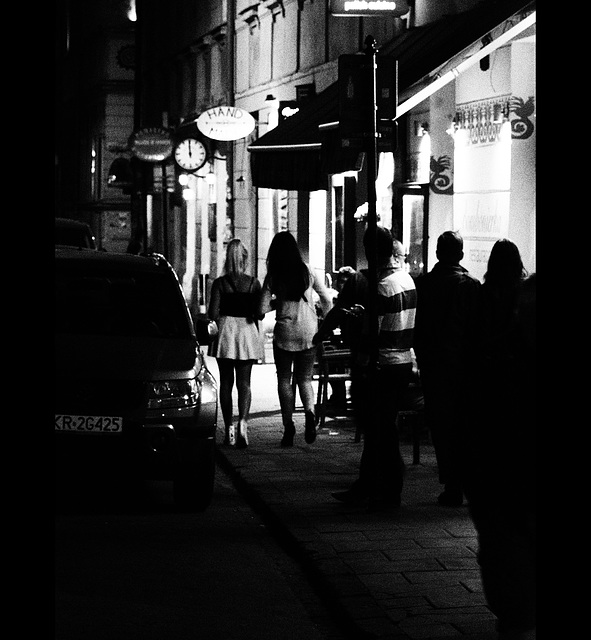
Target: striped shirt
[[396, 308]]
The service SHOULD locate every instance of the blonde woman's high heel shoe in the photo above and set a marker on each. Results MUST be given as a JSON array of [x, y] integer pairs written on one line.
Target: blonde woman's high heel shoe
[[242, 436], [230, 436]]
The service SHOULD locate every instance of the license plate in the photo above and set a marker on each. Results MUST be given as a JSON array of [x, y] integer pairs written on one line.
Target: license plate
[[89, 424]]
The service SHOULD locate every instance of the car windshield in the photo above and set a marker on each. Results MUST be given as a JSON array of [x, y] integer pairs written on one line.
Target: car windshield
[[73, 237], [111, 304]]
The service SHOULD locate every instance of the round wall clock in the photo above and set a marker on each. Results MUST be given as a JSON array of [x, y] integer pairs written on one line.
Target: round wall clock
[[190, 154]]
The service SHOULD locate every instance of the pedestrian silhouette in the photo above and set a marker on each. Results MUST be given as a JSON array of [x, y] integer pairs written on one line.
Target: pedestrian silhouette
[[288, 288], [377, 398], [499, 459], [447, 299], [234, 307]]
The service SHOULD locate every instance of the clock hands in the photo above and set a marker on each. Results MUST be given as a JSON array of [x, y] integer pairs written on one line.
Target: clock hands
[[190, 154]]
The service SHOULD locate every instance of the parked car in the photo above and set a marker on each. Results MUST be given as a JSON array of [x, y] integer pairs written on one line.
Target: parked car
[[74, 233], [132, 389]]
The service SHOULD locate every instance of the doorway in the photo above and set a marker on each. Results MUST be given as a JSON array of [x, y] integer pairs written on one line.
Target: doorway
[[410, 223]]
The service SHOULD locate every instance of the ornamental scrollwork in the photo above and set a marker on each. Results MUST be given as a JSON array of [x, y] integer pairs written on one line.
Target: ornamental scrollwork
[[521, 126], [440, 179]]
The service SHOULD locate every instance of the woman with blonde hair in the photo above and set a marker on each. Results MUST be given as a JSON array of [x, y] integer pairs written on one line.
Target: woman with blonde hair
[[289, 288], [234, 306]]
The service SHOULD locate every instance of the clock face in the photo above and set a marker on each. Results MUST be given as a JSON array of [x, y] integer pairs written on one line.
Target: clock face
[[190, 154]]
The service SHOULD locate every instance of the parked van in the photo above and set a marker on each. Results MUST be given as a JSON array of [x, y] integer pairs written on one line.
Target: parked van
[[74, 233]]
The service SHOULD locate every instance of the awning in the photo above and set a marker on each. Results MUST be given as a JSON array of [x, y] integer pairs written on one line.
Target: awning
[[289, 156], [295, 154]]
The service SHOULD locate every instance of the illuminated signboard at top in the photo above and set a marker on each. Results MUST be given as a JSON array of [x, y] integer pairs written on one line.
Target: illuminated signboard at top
[[394, 8]]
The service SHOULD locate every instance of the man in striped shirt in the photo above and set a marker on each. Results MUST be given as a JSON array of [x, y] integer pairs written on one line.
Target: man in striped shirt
[[376, 402]]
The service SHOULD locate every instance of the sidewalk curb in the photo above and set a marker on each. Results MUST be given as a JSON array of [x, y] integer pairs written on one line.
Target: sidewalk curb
[[324, 589]]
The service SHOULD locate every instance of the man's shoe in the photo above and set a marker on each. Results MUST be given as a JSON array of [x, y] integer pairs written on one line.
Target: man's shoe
[[447, 499]]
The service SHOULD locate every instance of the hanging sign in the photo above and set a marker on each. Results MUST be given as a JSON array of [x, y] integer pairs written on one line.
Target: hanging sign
[[225, 123], [394, 8], [355, 110], [152, 144]]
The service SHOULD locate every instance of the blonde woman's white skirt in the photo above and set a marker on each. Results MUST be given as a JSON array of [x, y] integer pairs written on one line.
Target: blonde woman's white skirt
[[238, 339]]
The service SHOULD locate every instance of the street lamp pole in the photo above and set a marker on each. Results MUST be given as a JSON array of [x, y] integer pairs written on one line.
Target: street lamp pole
[[372, 150]]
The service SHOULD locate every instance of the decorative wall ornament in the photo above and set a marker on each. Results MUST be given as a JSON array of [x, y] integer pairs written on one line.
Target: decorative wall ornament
[[521, 126], [440, 180], [251, 17], [275, 7], [483, 119]]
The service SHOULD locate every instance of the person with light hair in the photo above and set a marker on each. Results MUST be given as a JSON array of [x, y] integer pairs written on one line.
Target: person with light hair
[[234, 307]]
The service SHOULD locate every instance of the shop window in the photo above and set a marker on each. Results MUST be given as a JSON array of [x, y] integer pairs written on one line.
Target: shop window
[[410, 224]]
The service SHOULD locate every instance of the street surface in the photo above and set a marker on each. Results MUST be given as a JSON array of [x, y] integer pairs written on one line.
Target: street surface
[[128, 566]]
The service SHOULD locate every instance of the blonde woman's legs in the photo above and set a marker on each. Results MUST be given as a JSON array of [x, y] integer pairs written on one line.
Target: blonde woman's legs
[[243, 375], [226, 369]]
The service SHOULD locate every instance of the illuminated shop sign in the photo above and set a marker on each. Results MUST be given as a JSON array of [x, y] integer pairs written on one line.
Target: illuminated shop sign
[[152, 144], [288, 108], [225, 123], [394, 8]]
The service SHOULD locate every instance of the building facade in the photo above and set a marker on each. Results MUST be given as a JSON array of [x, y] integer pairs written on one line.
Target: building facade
[[464, 156], [461, 154]]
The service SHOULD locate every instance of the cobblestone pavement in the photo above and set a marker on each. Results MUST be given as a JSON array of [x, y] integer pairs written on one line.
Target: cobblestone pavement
[[410, 572]]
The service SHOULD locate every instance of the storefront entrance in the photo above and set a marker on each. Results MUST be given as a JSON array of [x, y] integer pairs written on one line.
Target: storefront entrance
[[410, 223]]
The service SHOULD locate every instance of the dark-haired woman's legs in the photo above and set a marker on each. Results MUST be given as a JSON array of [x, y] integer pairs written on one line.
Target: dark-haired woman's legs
[[300, 365], [284, 366], [303, 369]]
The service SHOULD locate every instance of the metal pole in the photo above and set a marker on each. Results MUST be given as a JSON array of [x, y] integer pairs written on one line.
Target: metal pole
[[139, 203], [164, 211], [231, 20], [372, 148]]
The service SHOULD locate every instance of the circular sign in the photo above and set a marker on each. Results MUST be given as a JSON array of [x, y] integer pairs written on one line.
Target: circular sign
[[225, 123], [153, 144]]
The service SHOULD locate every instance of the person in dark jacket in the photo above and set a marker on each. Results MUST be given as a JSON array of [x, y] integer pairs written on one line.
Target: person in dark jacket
[[499, 465], [377, 398], [447, 302]]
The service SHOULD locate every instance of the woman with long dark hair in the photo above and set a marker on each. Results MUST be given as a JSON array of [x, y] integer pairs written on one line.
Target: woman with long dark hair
[[504, 276], [289, 288], [500, 462]]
